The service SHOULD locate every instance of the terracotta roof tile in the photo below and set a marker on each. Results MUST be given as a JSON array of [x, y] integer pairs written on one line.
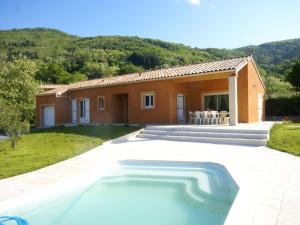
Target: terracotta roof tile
[[201, 68], [52, 86]]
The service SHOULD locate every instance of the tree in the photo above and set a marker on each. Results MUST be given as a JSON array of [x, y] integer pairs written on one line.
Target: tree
[[294, 75], [97, 70], [94, 70], [55, 74], [148, 60], [71, 78], [11, 121], [51, 73], [18, 86], [275, 87], [129, 68], [17, 101]]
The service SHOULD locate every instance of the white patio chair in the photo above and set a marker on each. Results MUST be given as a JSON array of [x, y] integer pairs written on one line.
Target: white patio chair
[[218, 118], [197, 115], [213, 119], [191, 117], [223, 118], [201, 117], [227, 117], [205, 117]]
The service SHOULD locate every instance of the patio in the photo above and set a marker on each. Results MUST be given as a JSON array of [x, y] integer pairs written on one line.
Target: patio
[[268, 179], [203, 101]]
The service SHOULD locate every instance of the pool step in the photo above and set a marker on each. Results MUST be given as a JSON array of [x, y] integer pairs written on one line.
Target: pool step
[[214, 135]]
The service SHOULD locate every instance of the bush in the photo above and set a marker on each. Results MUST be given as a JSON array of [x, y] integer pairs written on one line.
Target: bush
[[11, 122], [294, 75], [285, 106]]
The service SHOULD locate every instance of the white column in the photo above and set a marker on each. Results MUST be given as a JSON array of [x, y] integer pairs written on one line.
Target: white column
[[233, 100]]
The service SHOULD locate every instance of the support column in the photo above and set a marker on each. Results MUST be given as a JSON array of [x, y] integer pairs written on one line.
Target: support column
[[233, 100]]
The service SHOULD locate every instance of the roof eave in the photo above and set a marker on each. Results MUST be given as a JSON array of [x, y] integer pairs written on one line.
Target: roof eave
[[150, 80], [44, 94]]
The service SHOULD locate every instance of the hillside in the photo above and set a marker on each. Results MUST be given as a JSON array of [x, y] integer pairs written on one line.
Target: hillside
[[275, 57], [74, 58]]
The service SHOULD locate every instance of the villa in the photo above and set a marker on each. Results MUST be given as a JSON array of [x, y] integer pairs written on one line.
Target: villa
[[161, 96]]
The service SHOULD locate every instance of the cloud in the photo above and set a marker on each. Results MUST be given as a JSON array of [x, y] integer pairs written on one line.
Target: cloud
[[213, 6], [194, 2]]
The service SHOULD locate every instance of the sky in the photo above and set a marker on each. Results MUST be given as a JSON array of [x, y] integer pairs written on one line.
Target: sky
[[197, 23]]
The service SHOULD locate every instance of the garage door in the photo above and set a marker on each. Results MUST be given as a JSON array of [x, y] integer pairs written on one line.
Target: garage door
[[49, 116]]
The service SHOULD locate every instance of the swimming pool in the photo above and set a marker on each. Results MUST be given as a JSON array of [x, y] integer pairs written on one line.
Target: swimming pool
[[143, 192]]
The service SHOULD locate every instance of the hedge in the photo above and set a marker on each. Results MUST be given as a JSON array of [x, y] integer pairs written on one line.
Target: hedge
[[284, 106]]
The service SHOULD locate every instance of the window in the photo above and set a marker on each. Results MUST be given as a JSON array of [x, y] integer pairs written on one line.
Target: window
[[216, 102], [101, 103], [82, 108], [148, 100]]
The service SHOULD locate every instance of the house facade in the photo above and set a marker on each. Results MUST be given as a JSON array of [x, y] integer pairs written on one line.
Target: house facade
[[162, 96]]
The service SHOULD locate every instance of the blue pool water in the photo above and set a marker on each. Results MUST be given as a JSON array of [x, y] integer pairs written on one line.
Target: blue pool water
[[151, 194]]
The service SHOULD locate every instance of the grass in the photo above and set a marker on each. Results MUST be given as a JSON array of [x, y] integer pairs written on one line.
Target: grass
[[286, 137], [43, 147]]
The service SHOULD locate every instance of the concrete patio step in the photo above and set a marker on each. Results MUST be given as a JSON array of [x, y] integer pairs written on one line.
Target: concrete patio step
[[201, 133], [229, 141], [208, 128], [207, 134]]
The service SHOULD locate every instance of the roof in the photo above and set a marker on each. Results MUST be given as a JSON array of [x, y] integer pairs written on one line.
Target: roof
[[233, 64], [52, 86]]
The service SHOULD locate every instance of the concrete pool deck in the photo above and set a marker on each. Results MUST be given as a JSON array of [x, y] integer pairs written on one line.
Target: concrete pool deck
[[269, 180]]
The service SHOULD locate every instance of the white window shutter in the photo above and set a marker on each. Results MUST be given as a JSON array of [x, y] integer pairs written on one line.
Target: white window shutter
[[74, 111], [87, 110]]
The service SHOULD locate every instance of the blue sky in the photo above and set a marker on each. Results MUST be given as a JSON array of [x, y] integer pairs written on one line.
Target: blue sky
[[198, 23]]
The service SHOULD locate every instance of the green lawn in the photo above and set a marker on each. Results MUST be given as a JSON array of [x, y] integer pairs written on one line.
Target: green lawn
[[43, 147], [286, 137]]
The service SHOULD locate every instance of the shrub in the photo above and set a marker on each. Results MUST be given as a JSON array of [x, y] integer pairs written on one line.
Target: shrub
[[285, 106]]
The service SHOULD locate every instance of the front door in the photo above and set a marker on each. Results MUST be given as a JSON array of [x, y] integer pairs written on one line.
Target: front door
[[260, 107], [84, 111], [49, 116], [180, 108]]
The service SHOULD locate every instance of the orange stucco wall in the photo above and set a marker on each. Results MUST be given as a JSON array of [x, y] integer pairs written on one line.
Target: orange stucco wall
[[165, 91], [249, 86], [61, 108], [114, 103], [255, 87], [242, 84]]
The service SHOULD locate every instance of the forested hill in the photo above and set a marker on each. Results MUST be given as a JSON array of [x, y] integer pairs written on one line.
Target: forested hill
[[277, 56], [64, 58]]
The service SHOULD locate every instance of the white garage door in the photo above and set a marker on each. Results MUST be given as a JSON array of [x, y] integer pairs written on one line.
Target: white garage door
[[49, 116]]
